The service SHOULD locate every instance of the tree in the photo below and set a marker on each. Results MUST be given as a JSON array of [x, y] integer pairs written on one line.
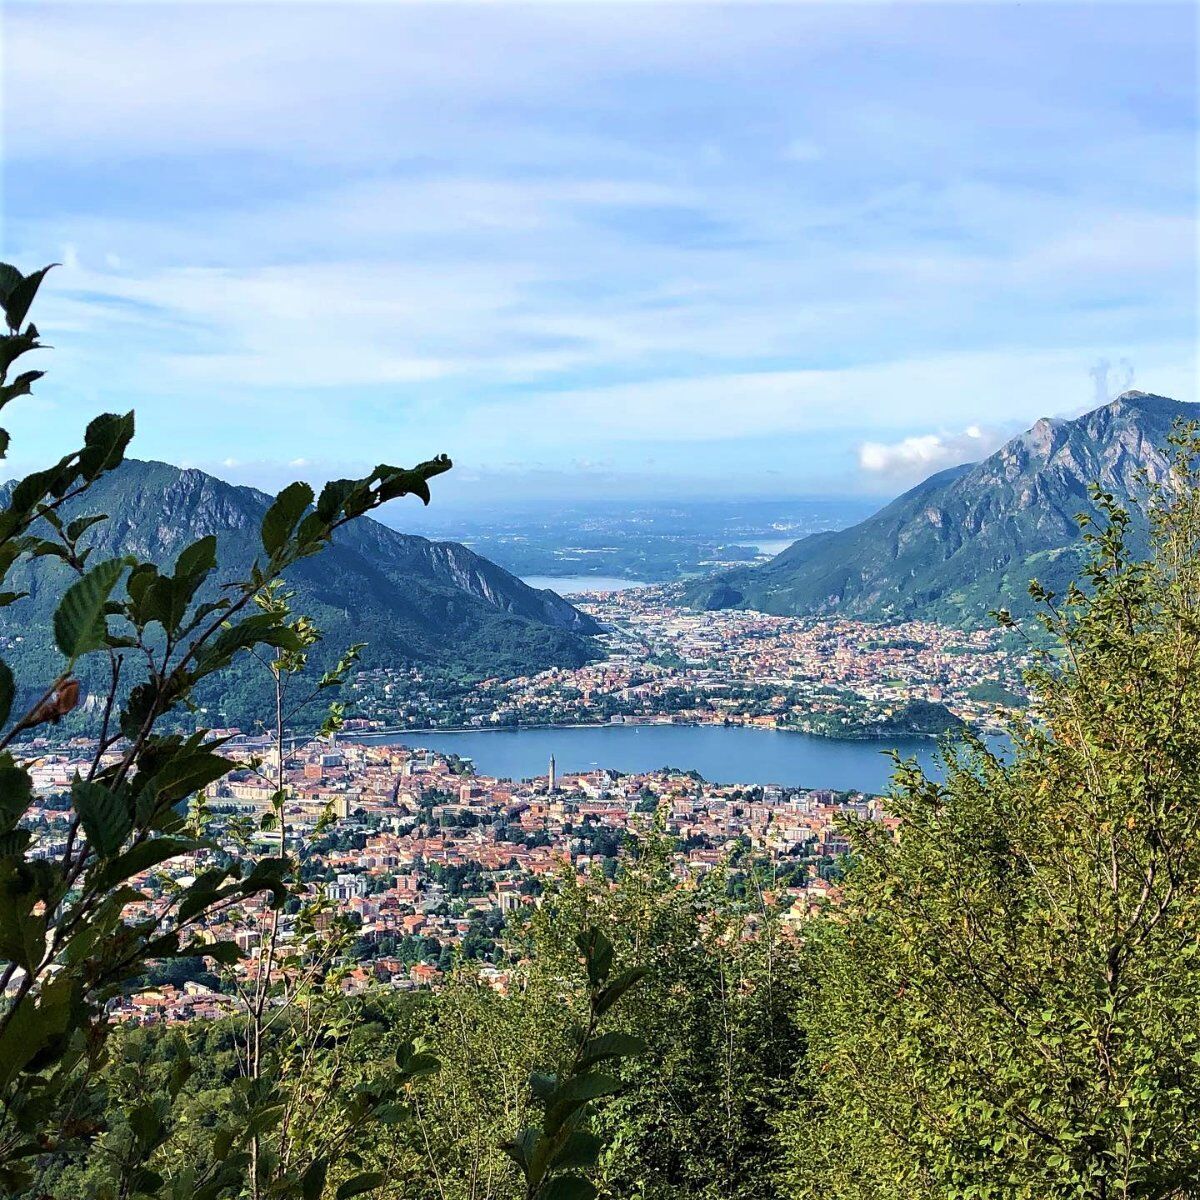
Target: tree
[[74, 929], [1007, 1005], [716, 1010], [552, 1154], [294, 1027]]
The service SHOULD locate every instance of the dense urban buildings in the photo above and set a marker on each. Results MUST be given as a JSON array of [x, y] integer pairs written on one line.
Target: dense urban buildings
[[429, 858], [839, 678]]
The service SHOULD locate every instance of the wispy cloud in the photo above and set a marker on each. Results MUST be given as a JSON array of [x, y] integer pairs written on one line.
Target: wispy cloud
[[757, 240], [912, 459], [1109, 381]]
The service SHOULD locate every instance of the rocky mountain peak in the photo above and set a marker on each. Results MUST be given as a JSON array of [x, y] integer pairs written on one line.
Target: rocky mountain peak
[[966, 542]]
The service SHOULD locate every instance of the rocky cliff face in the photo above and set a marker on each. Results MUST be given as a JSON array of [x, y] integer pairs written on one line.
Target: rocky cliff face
[[968, 540], [483, 578]]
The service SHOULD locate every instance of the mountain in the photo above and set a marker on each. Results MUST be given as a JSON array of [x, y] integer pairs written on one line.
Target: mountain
[[969, 539], [411, 600]]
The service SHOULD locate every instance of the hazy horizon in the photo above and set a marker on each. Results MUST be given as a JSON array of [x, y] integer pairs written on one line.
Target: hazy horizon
[[739, 250]]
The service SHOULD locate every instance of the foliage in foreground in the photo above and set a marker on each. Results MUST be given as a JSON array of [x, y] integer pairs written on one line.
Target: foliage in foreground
[[690, 1114], [302, 1105], [74, 931], [1008, 1003]]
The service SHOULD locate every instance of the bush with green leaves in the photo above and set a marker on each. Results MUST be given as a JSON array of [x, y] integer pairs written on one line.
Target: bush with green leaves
[[717, 1011], [553, 1154], [73, 929], [1007, 1004]]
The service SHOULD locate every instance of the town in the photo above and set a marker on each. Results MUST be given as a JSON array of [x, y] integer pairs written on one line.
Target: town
[[837, 678], [425, 860]]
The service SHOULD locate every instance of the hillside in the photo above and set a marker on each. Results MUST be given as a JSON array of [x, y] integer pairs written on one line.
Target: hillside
[[411, 600], [969, 539]]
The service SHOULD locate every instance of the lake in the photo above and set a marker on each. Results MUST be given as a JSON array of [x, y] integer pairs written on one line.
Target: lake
[[733, 754], [572, 585], [773, 546]]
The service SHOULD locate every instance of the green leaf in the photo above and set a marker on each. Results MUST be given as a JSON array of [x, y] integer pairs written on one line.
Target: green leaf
[[581, 1149], [9, 278], [522, 1148], [196, 900], [422, 1064], [586, 1087], [14, 843], [78, 527], [38, 1022], [312, 1182], [21, 386], [567, 1187], [268, 875], [597, 953], [145, 855], [13, 345], [612, 1045], [49, 550], [263, 629], [39, 484], [104, 815], [333, 498], [282, 517], [199, 558], [365, 1182], [574, 1094], [16, 791], [79, 625], [146, 1123], [104, 443], [181, 776], [141, 578], [225, 953], [222, 1143], [610, 995], [23, 894], [20, 297]]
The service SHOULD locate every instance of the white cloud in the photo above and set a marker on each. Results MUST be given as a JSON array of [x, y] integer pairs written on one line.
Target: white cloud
[[170, 77], [893, 395], [516, 233], [912, 459]]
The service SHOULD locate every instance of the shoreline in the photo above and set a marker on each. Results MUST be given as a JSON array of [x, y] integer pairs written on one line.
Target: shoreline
[[825, 737]]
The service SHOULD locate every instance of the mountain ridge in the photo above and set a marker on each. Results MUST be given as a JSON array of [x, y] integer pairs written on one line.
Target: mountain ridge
[[413, 600], [969, 538]]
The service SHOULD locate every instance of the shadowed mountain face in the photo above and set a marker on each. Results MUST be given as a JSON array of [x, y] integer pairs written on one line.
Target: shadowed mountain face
[[967, 540], [411, 600]]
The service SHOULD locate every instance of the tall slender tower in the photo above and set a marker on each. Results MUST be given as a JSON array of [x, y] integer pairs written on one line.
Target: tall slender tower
[[553, 786]]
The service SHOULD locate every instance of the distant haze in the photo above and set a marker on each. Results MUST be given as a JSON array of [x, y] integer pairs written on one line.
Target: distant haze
[[711, 250]]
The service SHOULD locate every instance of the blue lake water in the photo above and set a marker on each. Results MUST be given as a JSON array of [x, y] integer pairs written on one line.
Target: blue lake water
[[572, 585], [771, 546], [721, 754]]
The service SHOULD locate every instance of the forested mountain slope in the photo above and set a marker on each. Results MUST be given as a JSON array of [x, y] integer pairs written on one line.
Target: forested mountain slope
[[967, 540]]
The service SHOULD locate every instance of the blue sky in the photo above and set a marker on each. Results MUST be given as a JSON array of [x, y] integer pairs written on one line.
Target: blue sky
[[691, 250]]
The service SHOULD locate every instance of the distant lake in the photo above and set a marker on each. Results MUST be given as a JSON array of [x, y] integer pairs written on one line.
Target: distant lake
[[572, 585], [733, 754], [772, 546]]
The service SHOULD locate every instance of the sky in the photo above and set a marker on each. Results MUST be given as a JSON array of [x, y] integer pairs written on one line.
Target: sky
[[697, 250]]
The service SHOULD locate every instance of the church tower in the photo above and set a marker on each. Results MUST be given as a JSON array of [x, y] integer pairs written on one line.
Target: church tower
[[553, 786]]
